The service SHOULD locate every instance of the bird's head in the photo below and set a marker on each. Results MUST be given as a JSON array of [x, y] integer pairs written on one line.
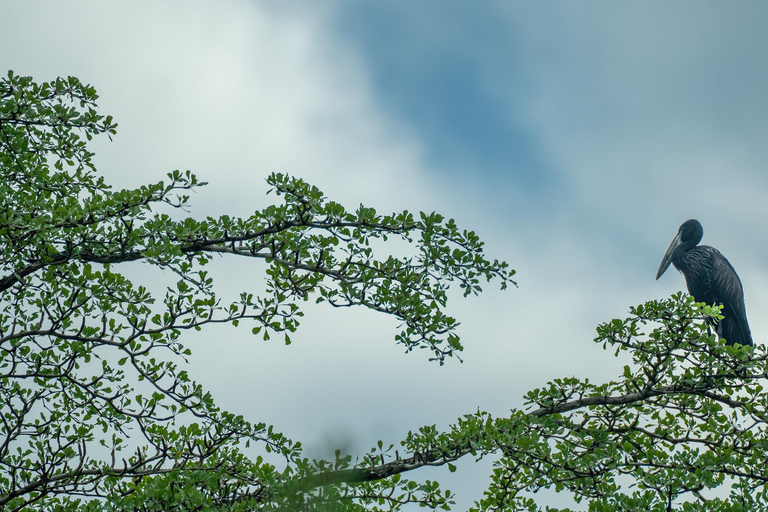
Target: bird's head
[[687, 237]]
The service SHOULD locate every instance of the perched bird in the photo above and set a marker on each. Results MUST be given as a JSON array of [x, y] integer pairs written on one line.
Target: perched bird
[[711, 279]]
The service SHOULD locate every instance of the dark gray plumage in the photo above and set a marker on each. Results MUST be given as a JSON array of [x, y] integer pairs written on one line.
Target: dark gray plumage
[[711, 279]]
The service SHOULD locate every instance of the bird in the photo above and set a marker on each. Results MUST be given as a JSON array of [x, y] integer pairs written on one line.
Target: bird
[[710, 278]]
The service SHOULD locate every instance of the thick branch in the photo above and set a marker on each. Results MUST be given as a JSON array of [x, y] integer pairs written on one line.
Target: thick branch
[[217, 245], [440, 457]]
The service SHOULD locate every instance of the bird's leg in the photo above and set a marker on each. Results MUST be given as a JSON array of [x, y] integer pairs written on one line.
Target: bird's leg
[[711, 323]]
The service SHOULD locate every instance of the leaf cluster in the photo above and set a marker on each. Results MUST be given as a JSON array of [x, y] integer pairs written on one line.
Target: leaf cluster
[[96, 402], [684, 426]]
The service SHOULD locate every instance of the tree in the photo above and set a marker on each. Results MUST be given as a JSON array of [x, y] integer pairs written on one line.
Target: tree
[[98, 412]]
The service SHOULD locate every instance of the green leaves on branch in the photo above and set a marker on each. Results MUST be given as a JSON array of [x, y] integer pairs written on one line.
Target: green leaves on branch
[[685, 426], [317, 247], [96, 400]]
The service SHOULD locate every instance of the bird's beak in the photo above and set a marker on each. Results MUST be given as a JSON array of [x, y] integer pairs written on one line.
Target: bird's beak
[[667, 259]]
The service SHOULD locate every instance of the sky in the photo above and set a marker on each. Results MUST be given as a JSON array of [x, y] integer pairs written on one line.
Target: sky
[[574, 138]]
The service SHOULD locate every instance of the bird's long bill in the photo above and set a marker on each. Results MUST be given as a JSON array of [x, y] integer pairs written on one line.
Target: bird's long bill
[[667, 259]]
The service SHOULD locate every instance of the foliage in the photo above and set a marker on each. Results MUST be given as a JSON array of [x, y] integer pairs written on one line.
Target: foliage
[[90, 359], [98, 412]]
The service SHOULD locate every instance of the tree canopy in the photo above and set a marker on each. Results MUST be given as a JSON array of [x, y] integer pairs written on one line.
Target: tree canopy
[[99, 411]]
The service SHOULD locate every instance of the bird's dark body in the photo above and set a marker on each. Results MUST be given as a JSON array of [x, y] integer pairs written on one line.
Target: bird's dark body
[[711, 279]]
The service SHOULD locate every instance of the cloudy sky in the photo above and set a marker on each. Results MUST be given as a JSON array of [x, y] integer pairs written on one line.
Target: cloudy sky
[[573, 137]]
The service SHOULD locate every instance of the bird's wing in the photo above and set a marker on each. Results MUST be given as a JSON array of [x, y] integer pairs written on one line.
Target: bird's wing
[[725, 280], [727, 285]]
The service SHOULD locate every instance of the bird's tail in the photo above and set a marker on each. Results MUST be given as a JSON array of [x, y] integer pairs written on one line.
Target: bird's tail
[[734, 329]]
